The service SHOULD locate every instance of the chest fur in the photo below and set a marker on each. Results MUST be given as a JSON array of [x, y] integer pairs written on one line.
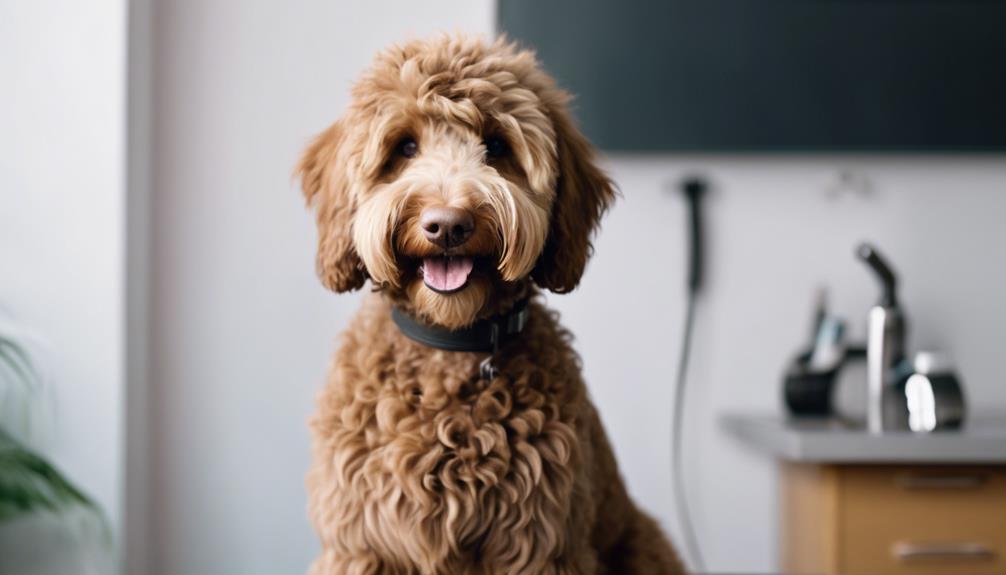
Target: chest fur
[[427, 460]]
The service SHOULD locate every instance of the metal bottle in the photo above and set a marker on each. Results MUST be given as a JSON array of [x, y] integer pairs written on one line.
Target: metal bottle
[[885, 346]]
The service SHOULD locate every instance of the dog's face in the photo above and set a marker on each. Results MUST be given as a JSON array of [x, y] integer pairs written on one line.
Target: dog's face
[[455, 176]]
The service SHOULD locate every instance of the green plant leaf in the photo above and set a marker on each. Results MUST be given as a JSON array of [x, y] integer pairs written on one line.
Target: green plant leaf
[[29, 483]]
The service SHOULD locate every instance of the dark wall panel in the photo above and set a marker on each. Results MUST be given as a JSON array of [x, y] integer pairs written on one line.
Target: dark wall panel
[[776, 75]]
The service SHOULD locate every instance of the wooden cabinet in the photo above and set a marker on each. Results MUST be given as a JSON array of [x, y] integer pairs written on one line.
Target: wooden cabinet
[[858, 503], [893, 519]]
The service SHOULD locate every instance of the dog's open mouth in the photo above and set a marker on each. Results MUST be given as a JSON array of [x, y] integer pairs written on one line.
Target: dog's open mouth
[[446, 274]]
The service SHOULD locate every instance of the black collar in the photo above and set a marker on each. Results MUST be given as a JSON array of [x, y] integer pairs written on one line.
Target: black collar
[[485, 335]]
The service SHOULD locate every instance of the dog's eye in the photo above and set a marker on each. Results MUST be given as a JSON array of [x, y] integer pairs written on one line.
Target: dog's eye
[[496, 147], [407, 147]]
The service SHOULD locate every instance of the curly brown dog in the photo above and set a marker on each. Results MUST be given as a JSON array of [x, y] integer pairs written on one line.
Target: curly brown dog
[[458, 185]]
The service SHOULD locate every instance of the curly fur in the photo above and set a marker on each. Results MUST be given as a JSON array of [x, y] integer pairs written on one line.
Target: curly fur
[[420, 466]]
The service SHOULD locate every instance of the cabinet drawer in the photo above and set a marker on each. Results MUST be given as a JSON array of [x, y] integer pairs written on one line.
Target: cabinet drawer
[[916, 519]]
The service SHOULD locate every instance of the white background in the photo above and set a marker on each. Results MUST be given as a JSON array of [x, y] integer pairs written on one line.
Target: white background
[[240, 331], [62, 220]]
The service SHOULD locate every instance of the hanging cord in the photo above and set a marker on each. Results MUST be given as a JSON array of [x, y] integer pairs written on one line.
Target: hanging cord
[[693, 189]]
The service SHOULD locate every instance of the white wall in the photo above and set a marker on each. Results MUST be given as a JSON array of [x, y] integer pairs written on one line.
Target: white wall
[[62, 198], [241, 330], [136, 405]]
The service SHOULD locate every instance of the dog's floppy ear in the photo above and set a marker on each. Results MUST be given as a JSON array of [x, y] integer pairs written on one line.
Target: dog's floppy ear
[[583, 193], [326, 189]]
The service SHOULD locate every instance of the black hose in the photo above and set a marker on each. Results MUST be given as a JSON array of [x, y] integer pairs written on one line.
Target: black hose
[[693, 189]]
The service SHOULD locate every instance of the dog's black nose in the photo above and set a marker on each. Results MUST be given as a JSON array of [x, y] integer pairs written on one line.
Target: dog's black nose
[[447, 227]]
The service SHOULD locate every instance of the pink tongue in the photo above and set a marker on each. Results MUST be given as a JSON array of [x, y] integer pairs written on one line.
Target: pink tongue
[[446, 273]]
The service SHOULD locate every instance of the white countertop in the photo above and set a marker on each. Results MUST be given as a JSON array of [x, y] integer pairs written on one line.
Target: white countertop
[[829, 441]]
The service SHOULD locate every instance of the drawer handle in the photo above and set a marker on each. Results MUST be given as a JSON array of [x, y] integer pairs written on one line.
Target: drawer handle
[[941, 481], [922, 551]]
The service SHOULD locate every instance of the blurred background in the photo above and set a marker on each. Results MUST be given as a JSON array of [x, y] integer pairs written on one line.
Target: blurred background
[[157, 260]]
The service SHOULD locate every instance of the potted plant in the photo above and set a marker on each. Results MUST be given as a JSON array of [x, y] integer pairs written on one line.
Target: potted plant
[[42, 512]]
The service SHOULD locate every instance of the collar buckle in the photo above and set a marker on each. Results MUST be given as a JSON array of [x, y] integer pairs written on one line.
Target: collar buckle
[[488, 371]]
